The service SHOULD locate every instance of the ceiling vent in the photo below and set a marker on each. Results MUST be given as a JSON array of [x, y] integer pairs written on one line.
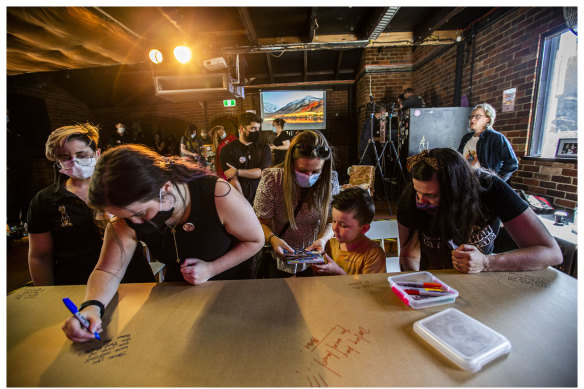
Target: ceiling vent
[[197, 87]]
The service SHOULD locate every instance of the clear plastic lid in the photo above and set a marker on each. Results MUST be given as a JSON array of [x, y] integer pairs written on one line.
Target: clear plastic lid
[[465, 341]]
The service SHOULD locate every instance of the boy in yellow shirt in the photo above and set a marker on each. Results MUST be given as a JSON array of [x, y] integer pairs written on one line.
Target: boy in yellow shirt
[[350, 251]]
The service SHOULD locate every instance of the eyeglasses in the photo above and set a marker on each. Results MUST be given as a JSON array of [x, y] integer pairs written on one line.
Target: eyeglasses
[[475, 117], [84, 160], [322, 152]]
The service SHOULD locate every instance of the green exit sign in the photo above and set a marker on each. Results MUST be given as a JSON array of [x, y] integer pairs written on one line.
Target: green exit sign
[[229, 103]]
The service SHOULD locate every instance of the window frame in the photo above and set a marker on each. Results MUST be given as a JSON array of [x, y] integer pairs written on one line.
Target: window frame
[[536, 132]]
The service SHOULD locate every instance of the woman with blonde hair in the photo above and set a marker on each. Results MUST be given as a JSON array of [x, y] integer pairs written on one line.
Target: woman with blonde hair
[[293, 202], [64, 237]]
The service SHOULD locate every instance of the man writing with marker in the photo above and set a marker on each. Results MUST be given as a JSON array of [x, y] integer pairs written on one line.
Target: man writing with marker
[[244, 159]]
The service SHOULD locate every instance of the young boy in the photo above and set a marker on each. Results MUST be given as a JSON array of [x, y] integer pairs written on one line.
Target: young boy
[[350, 251]]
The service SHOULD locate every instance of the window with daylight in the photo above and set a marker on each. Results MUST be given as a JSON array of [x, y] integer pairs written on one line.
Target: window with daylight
[[556, 108]]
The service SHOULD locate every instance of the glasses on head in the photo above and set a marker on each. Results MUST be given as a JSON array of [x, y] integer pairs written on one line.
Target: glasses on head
[[475, 117], [312, 151], [83, 160]]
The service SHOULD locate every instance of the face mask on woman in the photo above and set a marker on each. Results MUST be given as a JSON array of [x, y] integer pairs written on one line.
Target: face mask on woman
[[222, 136], [305, 180], [154, 224], [80, 172]]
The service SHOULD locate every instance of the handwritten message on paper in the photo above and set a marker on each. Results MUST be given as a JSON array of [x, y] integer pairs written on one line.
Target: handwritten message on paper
[[331, 351], [29, 293], [108, 350], [357, 284], [524, 280]]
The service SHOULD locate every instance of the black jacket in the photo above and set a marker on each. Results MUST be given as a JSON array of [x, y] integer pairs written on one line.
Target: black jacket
[[494, 152]]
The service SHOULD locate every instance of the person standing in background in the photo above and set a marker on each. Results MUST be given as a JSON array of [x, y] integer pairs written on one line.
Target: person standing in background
[[244, 159], [412, 100], [190, 143], [484, 147], [281, 142], [119, 137], [220, 139]]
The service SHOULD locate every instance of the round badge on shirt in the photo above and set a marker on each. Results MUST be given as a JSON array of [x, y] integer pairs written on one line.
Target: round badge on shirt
[[242, 159], [188, 227]]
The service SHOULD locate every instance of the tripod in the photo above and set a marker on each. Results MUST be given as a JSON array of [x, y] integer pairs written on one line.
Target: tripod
[[397, 161], [378, 156]]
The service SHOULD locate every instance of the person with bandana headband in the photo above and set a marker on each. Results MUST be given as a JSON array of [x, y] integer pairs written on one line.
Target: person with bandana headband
[[307, 177], [64, 237], [450, 215], [194, 222], [243, 160], [220, 139]]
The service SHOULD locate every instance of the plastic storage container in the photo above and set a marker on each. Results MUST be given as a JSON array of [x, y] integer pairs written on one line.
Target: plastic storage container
[[465, 341], [418, 302]]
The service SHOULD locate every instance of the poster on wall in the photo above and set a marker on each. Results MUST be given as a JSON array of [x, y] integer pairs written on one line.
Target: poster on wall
[[509, 99]]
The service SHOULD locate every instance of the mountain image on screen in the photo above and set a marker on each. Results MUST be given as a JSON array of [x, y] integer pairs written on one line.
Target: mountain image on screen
[[308, 109], [270, 108]]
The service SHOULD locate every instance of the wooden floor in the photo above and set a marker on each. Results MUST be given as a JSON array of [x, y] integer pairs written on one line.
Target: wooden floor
[[17, 274]]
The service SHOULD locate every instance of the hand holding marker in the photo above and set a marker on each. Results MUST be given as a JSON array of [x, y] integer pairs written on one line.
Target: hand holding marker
[[69, 304]]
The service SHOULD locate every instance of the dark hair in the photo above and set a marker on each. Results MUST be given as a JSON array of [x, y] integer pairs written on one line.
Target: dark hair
[[190, 128], [379, 107], [409, 90], [129, 173], [355, 200], [279, 122], [246, 118], [401, 97], [459, 209]]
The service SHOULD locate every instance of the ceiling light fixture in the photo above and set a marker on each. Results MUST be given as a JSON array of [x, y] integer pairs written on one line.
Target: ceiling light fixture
[[155, 56], [182, 54]]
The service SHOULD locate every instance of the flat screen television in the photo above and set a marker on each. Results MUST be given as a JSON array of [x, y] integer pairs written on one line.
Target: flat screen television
[[301, 109]]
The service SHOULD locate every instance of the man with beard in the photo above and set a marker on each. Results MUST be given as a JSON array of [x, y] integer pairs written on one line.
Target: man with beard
[[244, 159]]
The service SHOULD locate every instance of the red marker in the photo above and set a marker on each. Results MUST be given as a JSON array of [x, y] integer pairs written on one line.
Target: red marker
[[430, 285], [416, 292]]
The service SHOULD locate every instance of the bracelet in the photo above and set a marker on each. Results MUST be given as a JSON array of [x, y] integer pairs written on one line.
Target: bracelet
[[270, 237], [236, 172], [93, 302]]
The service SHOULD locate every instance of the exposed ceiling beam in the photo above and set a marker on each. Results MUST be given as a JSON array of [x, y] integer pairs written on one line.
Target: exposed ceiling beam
[[432, 23], [313, 25], [252, 36], [380, 23], [270, 72]]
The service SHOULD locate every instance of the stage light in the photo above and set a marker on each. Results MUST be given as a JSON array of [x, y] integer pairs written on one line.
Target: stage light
[[155, 56], [182, 54]]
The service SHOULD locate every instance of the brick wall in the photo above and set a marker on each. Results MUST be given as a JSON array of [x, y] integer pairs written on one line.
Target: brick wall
[[505, 57]]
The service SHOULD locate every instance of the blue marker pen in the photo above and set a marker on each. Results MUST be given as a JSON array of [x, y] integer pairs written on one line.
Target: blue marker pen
[[69, 304]]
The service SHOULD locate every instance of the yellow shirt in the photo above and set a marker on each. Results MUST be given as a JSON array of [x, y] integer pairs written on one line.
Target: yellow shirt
[[369, 257]]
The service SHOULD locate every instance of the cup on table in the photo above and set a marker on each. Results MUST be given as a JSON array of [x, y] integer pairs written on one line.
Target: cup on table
[[560, 217]]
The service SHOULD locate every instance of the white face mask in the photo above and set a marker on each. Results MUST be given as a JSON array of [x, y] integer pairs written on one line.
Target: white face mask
[[121, 130], [193, 135], [79, 172], [223, 136]]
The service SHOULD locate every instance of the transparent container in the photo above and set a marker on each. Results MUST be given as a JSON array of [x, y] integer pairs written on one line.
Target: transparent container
[[465, 341], [418, 302]]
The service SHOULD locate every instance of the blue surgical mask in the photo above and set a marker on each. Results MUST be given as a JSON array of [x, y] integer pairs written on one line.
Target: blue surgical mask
[[305, 180], [428, 208]]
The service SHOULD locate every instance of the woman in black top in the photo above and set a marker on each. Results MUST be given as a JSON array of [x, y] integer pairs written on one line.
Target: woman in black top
[[197, 224], [281, 142], [450, 216]]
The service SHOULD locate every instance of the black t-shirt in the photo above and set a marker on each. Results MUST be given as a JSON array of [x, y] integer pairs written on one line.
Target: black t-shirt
[[204, 236], [76, 238], [279, 155], [240, 156], [499, 203]]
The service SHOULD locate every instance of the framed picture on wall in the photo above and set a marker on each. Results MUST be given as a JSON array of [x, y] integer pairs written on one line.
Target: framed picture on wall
[[567, 148]]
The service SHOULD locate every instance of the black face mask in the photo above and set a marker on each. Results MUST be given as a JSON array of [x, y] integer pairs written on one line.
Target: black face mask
[[252, 136], [152, 225]]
